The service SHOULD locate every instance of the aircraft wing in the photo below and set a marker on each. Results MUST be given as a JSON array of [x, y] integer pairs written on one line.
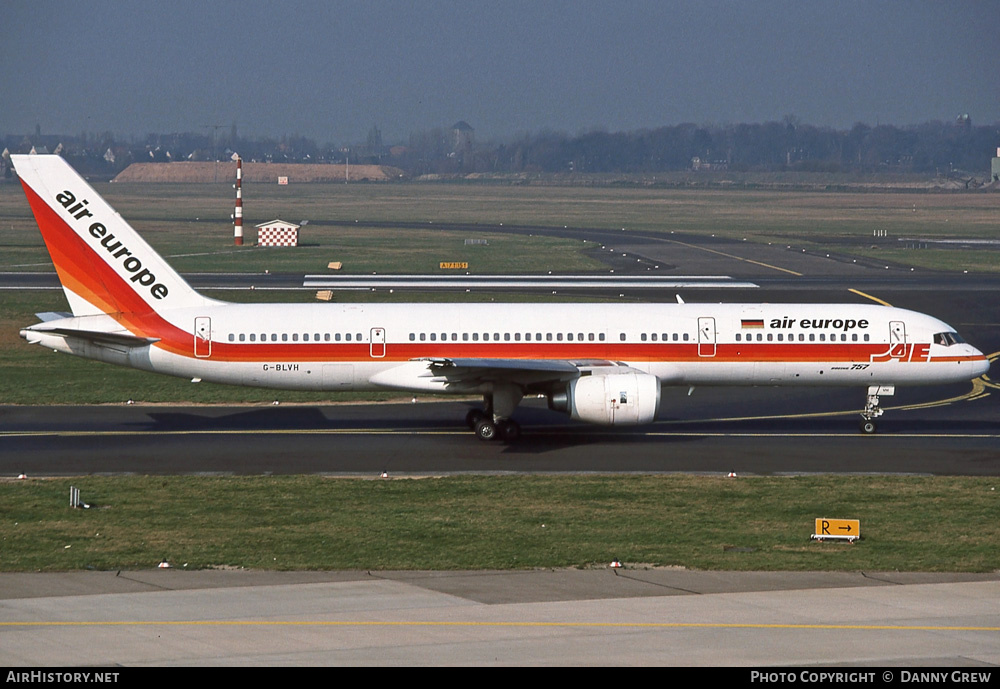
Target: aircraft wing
[[441, 374]]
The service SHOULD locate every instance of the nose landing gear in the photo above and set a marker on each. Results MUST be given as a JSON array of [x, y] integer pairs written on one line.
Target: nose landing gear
[[872, 409]]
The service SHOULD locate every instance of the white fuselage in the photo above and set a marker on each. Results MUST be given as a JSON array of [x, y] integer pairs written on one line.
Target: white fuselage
[[368, 346]]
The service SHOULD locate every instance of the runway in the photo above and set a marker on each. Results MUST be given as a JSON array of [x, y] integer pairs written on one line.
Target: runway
[[952, 430]]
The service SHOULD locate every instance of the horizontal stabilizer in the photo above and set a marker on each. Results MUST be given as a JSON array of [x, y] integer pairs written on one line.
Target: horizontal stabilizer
[[121, 339]]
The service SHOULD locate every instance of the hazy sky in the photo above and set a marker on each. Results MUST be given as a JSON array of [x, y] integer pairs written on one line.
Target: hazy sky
[[330, 69]]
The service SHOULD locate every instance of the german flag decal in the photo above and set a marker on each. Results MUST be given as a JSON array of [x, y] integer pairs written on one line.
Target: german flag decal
[[753, 322]]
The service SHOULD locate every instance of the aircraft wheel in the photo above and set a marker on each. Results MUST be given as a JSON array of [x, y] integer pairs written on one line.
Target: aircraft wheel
[[473, 418], [510, 431], [486, 430], [868, 427]]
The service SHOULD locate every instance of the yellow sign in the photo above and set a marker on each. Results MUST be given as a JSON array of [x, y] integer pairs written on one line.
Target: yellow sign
[[849, 529], [453, 265]]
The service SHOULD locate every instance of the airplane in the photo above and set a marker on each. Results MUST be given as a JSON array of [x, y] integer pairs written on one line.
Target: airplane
[[599, 363]]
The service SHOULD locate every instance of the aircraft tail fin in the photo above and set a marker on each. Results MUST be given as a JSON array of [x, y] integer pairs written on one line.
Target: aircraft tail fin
[[102, 262]]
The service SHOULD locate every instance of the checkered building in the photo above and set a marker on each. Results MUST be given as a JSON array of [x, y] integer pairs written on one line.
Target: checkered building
[[277, 233]]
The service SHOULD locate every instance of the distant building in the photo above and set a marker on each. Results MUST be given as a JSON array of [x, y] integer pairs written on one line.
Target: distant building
[[277, 233], [462, 137]]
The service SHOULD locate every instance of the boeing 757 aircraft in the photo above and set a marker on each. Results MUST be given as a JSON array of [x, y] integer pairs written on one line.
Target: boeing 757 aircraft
[[599, 363]]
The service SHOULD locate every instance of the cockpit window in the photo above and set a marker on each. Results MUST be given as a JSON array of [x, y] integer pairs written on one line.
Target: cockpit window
[[948, 339]]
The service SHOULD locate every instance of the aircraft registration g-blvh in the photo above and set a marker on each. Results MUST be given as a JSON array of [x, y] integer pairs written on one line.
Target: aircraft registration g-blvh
[[600, 363]]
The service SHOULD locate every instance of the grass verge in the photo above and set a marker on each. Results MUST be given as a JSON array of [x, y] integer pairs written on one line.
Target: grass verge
[[498, 522]]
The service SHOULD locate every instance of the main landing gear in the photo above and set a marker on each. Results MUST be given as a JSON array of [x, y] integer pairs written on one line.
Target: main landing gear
[[494, 422], [872, 409]]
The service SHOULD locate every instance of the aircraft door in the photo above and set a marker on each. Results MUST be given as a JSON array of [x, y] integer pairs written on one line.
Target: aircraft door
[[897, 338], [706, 336], [377, 343], [203, 337]]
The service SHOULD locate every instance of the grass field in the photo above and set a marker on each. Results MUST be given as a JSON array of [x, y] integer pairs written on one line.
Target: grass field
[[192, 223], [499, 522]]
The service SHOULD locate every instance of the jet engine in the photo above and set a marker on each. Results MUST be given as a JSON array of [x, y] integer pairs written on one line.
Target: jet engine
[[624, 399]]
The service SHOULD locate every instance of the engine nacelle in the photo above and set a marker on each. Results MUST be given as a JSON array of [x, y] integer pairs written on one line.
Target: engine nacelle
[[624, 399]]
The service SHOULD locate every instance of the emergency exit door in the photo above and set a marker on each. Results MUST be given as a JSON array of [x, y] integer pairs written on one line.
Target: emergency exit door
[[203, 337], [377, 343], [706, 336]]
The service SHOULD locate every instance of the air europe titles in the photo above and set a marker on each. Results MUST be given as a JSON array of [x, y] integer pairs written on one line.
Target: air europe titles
[[140, 275], [844, 324]]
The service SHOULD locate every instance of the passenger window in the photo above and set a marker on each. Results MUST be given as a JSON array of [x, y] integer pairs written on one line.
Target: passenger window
[[232, 337], [242, 337]]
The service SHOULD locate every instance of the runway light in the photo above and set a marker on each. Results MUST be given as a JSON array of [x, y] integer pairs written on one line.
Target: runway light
[[731, 474], [384, 474], [615, 564], [164, 565], [22, 476]]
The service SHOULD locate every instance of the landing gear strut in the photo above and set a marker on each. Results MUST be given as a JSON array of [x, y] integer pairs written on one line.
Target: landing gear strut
[[872, 409], [494, 422]]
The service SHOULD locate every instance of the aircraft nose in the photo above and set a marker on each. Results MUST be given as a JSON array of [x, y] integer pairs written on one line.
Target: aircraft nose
[[981, 364]]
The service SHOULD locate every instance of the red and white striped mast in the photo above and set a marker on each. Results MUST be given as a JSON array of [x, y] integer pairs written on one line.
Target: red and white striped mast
[[238, 216]]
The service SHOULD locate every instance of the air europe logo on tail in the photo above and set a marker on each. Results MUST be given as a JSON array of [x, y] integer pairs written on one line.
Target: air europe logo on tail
[[114, 246]]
